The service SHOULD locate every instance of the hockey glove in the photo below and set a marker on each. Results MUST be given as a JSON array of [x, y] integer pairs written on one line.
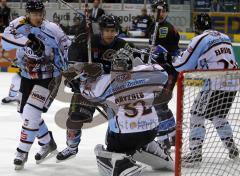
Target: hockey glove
[[36, 45]]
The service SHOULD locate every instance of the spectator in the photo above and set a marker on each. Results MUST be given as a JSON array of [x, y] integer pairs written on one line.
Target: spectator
[[215, 6], [142, 23], [4, 15], [77, 26], [96, 11]]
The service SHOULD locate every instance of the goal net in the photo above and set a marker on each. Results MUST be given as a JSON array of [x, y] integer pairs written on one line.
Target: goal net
[[208, 123]]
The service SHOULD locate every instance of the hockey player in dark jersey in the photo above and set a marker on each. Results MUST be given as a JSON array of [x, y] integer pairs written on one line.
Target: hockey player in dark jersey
[[164, 34], [103, 46]]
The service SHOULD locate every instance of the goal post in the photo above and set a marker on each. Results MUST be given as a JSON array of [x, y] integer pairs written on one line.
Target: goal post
[[225, 104]]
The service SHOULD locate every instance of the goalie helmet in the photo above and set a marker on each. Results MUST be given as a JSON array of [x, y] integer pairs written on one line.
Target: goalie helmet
[[122, 60], [202, 22], [159, 4], [34, 5], [109, 21]]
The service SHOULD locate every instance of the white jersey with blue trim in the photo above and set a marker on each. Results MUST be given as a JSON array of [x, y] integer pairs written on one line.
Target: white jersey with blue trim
[[208, 51], [129, 97], [52, 36]]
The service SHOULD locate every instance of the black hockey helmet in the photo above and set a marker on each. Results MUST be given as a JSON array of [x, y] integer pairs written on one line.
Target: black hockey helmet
[[109, 21], [122, 60], [159, 4], [202, 22], [34, 5]]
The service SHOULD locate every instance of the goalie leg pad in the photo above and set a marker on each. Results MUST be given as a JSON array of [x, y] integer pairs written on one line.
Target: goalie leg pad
[[115, 164], [154, 156]]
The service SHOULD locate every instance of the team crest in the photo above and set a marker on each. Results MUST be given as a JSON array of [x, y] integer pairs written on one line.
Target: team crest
[[123, 77]]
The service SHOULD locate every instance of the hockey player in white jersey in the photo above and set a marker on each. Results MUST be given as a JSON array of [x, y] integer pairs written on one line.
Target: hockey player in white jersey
[[13, 90], [42, 55], [128, 93], [209, 50]]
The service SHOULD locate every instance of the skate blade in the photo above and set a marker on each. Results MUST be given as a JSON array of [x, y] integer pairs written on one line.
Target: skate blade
[[49, 156], [19, 167], [71, 157]]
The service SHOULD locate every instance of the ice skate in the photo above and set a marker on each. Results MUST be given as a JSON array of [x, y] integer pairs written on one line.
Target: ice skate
[[20, 160], [192, 159], [66, 154], [47, 151]]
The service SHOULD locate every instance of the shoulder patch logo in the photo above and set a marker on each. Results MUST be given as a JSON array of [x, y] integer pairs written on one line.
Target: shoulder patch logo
[[23, 21], [163, 31]]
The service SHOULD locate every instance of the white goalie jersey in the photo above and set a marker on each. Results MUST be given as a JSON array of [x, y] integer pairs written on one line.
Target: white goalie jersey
[[129, 97], [208, 51]]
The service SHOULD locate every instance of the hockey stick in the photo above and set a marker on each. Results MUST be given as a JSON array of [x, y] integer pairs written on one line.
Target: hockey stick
[[154, 36], [71, 7], [88, 28], [7, 59]]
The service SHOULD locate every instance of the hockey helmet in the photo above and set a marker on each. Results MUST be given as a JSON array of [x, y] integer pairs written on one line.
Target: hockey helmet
[[109, 21], [159, 4], [34, 5], [202, 22]]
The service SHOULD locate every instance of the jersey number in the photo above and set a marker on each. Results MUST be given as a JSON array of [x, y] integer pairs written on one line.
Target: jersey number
[[132, 107]]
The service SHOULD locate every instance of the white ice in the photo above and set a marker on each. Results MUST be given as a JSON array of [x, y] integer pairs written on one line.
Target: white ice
[[84, 164]]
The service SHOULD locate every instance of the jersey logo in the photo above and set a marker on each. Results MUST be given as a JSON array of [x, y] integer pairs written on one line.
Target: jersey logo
[[163, 31], [123, 77]]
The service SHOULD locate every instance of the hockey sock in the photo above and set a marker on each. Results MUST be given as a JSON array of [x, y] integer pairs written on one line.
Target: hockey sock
[[43, 135]]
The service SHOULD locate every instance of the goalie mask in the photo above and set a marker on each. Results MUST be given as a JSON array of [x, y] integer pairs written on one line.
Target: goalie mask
[[122, 60]]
